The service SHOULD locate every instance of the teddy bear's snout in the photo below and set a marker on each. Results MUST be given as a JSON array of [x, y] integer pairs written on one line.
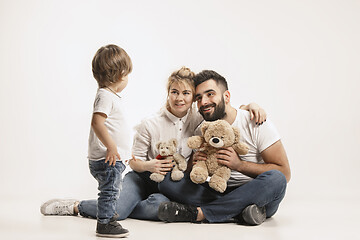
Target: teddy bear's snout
[[216, 142]]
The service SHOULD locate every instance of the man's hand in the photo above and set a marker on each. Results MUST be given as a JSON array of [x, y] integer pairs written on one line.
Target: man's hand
[[229, 158], [159, 166], [199, 156], [112, 156]]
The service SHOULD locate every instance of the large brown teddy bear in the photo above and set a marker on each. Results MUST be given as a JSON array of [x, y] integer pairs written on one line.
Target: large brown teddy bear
[[217, 134], [167, 150]]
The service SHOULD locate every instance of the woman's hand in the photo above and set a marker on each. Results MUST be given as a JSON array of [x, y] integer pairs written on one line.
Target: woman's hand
[[159, 166], [257, 113]]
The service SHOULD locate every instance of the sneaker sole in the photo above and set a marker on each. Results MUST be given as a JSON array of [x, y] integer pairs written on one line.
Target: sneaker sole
[[46, 204], [122, 235]]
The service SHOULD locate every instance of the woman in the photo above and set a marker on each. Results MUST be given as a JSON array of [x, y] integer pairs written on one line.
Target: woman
[[140, 197]]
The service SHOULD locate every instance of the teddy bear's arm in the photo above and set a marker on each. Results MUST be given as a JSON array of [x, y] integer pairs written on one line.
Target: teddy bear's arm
[[241, 148], [195, 142], [181, 161]]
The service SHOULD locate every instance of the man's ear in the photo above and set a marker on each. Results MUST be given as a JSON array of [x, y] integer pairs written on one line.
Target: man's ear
[[226, 95], [204, 127]]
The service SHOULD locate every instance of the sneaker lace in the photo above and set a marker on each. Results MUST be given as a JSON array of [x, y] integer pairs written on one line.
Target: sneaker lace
[[63, 208]]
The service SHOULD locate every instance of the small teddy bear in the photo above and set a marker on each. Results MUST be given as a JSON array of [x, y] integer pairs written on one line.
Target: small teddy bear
[[167, 150], [215, 135]]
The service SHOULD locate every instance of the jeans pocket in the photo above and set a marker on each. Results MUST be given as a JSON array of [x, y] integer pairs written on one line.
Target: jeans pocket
[[120, 166], [119, 169]]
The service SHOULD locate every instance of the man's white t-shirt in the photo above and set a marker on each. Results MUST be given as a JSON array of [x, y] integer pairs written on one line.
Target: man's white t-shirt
[[258, 138], [110, 104]]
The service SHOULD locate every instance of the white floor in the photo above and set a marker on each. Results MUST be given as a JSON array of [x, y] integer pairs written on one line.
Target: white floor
[[321, 218]]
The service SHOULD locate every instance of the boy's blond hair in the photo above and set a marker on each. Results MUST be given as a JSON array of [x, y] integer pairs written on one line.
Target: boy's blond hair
[[110, 64]]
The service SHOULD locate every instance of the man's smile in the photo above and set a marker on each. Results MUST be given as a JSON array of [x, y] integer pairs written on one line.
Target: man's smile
[[207, 108]]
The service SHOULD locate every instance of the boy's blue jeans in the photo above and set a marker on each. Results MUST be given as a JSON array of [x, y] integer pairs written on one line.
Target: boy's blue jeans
[[109, 179], [139, 199], [267, 189]]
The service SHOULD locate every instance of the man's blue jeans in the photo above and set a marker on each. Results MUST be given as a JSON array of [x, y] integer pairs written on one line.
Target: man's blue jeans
[[267, 189], [139, 198], [109, 179]]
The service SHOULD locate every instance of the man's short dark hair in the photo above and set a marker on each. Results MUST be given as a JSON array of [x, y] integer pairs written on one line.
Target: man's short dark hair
[[209, 74]]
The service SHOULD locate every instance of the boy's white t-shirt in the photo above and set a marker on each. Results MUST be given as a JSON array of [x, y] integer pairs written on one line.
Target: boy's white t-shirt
[[110, 104], [258, 138]]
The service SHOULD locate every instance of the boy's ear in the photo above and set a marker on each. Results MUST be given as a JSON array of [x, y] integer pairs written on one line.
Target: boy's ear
[[204, 127]]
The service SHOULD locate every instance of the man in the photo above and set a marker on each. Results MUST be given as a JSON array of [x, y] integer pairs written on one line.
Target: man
[[258, 179]]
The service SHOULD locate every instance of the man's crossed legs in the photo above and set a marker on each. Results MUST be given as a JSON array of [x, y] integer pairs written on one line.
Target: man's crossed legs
[[251, 203]]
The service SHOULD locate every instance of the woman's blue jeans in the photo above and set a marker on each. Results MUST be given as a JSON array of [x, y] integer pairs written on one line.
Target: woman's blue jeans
[[267, 189], [139, 198]]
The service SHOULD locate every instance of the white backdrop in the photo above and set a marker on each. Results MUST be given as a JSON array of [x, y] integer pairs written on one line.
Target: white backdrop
[[298, 59]]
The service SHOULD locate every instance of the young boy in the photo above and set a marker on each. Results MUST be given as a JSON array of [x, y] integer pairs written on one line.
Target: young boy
[[108, 141], [109, 135]]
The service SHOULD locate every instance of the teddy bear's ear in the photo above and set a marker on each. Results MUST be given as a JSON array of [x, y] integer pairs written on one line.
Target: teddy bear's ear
[[158, 145], [174, 142], [237, 134], [204, 127]]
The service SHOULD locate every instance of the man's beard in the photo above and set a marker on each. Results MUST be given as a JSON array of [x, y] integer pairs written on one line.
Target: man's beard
[[219, 111]]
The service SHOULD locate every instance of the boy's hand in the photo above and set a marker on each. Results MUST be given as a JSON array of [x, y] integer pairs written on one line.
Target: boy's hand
[[112, 156]]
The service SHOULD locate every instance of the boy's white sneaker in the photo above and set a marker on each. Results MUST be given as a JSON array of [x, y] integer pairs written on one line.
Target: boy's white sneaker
[[58, 207]]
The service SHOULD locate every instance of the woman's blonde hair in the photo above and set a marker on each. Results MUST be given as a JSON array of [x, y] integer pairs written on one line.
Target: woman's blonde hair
[[110, 64], [182, 76]]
